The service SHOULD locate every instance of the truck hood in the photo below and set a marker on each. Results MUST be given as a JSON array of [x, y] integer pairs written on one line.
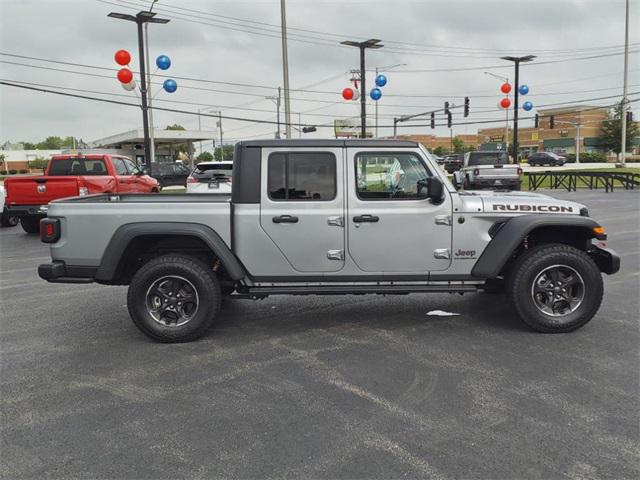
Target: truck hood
[[497, 202]]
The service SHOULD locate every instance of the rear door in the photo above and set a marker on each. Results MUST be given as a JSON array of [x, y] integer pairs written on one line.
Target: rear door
[[391, 226], [302, 207]]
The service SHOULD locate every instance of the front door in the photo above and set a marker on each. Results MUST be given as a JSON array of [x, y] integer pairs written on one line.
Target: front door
[[302, 207], [391, 225], [123, 177]]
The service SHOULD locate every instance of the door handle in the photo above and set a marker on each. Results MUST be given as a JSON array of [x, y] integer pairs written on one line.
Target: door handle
[[366, 219], [285, 219]]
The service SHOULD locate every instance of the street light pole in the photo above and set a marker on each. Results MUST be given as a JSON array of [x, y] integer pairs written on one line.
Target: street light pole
[[139, 19], [285, 69], [383, 69], [517, 61], [506, 123], [371, 43], [152, 143]]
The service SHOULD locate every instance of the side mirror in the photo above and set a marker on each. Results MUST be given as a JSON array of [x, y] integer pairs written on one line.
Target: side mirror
[[144, 171], [435, 189], [455, 180]]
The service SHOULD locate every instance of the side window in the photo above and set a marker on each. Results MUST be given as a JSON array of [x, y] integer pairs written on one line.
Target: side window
[[302, 176], [132, 167], [119, 165], [397, 176]]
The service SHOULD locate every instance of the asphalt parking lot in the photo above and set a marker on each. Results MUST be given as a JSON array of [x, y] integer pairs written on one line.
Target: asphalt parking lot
[[320, 387]]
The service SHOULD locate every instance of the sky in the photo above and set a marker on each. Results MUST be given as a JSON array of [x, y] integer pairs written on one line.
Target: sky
[[229, 55]]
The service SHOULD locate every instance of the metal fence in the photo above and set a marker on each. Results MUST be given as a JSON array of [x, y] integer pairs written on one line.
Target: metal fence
[[571, 180]]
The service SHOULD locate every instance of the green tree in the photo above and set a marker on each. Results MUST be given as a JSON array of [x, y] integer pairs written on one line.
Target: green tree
[[611, 131], [39, 163], [29, 145], [439, 151], [458, 145], [228, 153], [204, 157], [175, 126], [50, 143]]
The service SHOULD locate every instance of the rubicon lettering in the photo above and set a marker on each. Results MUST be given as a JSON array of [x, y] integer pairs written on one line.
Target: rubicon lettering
[[533, 208]]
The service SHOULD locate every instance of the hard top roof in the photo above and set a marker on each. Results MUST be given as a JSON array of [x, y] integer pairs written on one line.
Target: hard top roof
[[327, 143]]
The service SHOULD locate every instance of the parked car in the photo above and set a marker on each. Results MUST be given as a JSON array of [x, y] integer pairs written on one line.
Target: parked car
[[546, 158], [308, 218], [70, 176], [453, 163], [6, 220], [488, 169], [211, 177], [170, 174]]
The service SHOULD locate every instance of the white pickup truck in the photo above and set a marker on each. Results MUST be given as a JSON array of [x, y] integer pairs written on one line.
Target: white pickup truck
[[488, 169]]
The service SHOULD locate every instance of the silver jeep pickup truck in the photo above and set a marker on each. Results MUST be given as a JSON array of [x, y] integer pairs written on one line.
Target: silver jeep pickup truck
[[488, 169], [329, 217]]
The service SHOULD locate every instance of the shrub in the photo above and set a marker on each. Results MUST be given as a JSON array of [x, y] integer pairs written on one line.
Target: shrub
[[24, 171], [38, 163], [12, 172], [587, 157], [3, 172]]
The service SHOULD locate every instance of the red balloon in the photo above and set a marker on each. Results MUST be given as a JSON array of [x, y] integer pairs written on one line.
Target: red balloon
[[347, 93], [505, 103], [505, 88], [122, 57], [125, 75]]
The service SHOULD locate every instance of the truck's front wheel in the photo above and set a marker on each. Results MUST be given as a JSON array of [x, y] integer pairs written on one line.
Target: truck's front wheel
[[555, 288], [174, 298]]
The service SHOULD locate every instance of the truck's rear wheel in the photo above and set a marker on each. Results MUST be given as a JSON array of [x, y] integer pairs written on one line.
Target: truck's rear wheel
[[555, 288], [30, 224], [7, 220], [174, 298]]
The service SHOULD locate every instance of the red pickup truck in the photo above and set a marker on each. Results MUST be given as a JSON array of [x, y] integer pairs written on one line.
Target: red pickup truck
[[71, 176]]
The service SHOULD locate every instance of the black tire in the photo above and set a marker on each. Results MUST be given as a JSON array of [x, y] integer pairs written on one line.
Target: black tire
[[202, 281], [30, 224], [547, 258], [9, 220]]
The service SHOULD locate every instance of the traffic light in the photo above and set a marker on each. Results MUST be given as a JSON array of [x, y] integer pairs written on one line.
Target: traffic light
[[433, 119], [552, 122], [536, 121], [446, 108], [449, 120], [466, 106], [629, 116]]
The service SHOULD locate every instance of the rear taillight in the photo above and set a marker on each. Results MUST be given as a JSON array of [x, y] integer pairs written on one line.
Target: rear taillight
[[49, 230], [476, 172], [191, 180], [82, 191]]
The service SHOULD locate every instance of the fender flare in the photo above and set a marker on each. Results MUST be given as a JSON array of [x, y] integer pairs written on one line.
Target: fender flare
[[513, 232], [123, 236]]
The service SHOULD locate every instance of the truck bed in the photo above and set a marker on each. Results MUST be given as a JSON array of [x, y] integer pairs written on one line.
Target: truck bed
[[93, 220]]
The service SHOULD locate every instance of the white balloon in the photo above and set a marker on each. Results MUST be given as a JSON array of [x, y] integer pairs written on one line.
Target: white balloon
[[129, 86], [356, 94]]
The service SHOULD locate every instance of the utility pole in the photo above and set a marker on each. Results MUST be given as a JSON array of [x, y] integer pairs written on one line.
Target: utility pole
[[152, 143], [199, 129], [276, 101], [285, 69], [220, 127], [577, 126], [623, 146], [299, 125], [517, 61], [139, 19], [371, 43]]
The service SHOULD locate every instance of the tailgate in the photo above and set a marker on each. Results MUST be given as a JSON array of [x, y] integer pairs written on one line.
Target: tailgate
[[497, 170], [39, 190]]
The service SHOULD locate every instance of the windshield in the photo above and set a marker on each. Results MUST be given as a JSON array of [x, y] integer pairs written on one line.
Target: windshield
[[77, 166], [488, 158], [210, 170]]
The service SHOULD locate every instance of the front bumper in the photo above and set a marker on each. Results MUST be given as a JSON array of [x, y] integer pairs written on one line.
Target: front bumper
[[27, 210], [607, 260], [58, 272]]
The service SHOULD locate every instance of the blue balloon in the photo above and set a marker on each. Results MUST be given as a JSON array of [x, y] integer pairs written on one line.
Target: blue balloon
[[523, 89], [381, 80], [376, 93], [527, 106], [170, 85], [163, 62]]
